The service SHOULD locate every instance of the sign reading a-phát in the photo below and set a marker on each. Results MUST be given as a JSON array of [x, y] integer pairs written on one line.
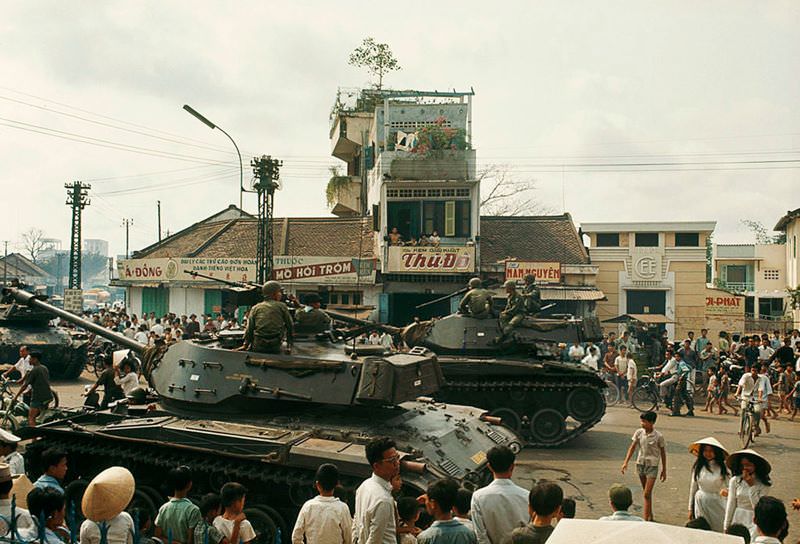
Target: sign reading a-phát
[[543, 271], [431, 260], [724, 304]]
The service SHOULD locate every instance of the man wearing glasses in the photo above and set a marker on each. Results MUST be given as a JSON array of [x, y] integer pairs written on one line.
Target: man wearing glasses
[[374, 521]]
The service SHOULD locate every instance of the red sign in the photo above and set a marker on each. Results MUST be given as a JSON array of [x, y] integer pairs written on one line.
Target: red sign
[[314, 270]]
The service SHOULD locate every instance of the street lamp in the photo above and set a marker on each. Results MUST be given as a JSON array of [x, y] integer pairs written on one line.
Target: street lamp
[[212, 126]]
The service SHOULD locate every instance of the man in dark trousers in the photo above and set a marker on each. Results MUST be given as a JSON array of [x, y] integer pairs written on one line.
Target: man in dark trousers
[[38, 378]]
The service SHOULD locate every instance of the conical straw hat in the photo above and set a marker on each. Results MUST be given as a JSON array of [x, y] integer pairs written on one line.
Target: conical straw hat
[[21, 487], [709, 440], [108, 494], [753, 454]]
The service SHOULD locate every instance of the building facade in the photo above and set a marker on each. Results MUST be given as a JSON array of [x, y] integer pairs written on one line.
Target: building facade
[[790, 225], [652, 268]]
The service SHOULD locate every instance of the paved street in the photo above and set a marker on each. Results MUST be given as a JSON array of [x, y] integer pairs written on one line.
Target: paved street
[[588, 465]]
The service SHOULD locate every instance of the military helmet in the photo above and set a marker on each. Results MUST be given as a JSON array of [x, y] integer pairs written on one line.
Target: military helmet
[[510, 283], [137, 396], [474, 283], [530, 278], [271, 287]]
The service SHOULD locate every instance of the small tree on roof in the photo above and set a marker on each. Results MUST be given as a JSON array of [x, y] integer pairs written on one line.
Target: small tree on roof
[[377, 58]]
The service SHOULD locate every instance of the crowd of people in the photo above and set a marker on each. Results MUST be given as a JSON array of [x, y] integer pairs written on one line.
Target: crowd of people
[[397, 239]]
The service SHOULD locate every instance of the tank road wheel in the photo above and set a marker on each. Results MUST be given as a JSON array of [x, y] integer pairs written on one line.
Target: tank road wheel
[[509, 417], [280, 523], [154, 495], [262, 524], [585, 404], [548, 426], [141, 499], [74, 495]]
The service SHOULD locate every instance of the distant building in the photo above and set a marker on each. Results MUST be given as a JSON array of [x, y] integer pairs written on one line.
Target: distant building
[[92, 245]]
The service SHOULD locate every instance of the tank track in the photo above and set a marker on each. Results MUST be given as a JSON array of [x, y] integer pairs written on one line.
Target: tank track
[[510, 400]]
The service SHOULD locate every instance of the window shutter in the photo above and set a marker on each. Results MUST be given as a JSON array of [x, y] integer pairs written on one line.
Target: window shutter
[[450, 218]]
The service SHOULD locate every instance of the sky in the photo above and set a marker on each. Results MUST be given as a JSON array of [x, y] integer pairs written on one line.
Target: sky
[[595, 102]]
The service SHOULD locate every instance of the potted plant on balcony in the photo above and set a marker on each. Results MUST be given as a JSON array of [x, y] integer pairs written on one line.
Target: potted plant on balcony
[[336, 184]]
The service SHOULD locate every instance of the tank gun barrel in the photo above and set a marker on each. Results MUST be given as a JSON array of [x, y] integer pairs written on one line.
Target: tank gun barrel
[[484, 283], [245, 285], [363, 322], [24, 297]]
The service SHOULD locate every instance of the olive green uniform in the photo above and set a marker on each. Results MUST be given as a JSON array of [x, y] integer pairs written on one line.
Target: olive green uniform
[[312, 320], [268, 323], [513, 313], [476, 303], [531, 298]]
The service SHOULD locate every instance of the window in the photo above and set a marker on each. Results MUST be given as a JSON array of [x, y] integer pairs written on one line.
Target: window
[[772, 274], [449, 218], [607, 239], [646, 239], [770, 307], [735, 273], [687, 239], [345, 297]]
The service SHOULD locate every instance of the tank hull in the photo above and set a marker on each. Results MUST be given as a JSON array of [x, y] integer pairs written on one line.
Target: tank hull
[[62, 354]]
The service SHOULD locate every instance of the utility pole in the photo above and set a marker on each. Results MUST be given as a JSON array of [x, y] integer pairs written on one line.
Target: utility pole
[[5, 263], [59, 274], [159, 221], [266, 171], [127, 224], [77, 199]]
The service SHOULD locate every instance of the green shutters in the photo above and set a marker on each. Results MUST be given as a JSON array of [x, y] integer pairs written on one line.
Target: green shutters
[[212, 303], [155, 299], [450, 218]]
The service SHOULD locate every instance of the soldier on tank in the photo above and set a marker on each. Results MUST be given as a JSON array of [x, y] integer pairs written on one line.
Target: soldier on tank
[[530, 295], [512, 314], [477, 302], [269, 322], [311, 318]]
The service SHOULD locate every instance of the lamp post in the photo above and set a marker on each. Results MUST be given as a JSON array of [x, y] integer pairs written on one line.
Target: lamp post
[[212, 126]]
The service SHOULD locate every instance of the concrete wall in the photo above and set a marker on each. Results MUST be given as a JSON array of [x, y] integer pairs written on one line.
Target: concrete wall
[[608, 282], [773, 257], [690, 292]]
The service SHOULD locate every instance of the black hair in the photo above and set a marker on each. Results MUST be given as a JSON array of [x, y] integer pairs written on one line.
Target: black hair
[[500, 458], [232, 492], [179, 478], [407, 508], [376, 447], [444, 492], [568, 508], [761, 468], [770, 515], [701, 462], [737, 529], [52, 457], [699, 523], [5, 487], [210, 502], [43, 502], [545, 498], [141, 516], [463, 502], [650, 416], [327, 476]]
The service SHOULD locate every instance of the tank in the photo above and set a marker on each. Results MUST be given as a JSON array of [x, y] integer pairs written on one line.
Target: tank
[[517, 378], [268, 421], [64, 351]]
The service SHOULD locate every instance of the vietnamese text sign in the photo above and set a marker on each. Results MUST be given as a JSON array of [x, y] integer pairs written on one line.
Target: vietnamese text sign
[[323, 270], [431, 260], [73, 300], [724, 304], [544, 272]]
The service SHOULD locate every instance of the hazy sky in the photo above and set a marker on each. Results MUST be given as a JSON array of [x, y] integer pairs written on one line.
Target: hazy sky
[[578, 84]]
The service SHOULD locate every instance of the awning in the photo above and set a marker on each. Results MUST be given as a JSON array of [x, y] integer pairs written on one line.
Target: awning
[[571, 293], [649, 319], [592, 531]]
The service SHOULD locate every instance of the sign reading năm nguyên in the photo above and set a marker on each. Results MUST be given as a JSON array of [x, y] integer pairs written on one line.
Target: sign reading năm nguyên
[[543, 271]]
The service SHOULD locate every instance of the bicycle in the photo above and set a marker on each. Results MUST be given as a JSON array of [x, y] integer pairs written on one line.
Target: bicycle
[[747, 425], [15, 413], [646, 396], [611, 392]]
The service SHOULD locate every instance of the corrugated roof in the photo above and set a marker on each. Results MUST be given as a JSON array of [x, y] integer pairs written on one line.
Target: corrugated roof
[[571, 293], [531, 238]]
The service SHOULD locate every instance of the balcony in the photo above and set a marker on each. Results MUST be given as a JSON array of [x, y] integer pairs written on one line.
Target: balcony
[[734, 286], [451, 164], [347, 134], [430, 260], [344, 196]]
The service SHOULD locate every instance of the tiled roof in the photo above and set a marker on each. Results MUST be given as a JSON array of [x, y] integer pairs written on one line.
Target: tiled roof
[[325, 236], [532, 238]]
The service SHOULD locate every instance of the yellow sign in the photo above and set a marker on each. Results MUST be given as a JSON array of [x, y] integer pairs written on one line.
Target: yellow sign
[[479, 457], [722, 303], [544, 272], [431, 260]]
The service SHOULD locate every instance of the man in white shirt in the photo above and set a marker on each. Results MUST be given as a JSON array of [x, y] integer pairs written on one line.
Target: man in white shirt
[[23, 366], [576, 352], [745, 390], [386, 341], [374, 520], [324, 519], [669, 374], [158, 328], [374, 339], [141, 336], [621, 364], [501, 506], [591, 359]]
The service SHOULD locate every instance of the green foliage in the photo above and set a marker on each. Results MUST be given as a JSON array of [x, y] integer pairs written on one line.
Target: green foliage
[[794, 297], [709, 257], [336, 183], [760, 232], [436, 138], [377, 58]]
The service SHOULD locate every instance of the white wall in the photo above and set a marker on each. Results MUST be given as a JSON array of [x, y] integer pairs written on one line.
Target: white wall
[[186, 301]]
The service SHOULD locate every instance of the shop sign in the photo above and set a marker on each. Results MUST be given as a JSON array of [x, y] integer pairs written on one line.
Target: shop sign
[[323, 270], [73, 300], [724, 304], [431, 260], [178, 269], [543, 271]]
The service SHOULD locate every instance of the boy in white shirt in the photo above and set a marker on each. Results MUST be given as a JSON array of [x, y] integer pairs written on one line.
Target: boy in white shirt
[[232, 518], [632, 374], [324, 519]]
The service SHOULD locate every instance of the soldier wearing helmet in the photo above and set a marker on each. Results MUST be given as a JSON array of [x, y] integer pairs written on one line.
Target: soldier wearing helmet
[[512, 314], [477, 302], [530, 295], [269, 322]]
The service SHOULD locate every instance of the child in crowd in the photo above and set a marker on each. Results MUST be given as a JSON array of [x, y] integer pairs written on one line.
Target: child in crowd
[[439, 501], [408, 510], [144, 523], [178, 517], [233, 523], [210, 507], [712, 390], [651, 446], [567, 509], [544, 505], [325, 517], [461, 507], [725, 392]]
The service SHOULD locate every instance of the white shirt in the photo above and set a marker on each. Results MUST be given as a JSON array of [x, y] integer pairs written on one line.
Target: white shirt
[[141, 337], [120, 530], [576, 352], [24, 366], [633, 372], [748, 385], [225, 526], [498, 509], [16, 463], [31, 534], [386, 340], [622, 365], [323, 520], [765, 387], [158, 328], [374, 521], [591, 362], [761, 539], [128, 382], [375, 340], [24, 520], [670, 367], [764, 353]]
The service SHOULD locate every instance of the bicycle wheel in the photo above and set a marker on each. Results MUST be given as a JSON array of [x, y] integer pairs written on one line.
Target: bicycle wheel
[[643, 399], [611, 393], [746, 432]]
